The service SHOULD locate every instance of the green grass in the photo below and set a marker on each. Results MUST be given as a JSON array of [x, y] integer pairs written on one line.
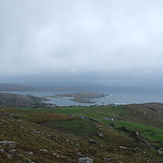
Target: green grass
[[149, 132], [91, 112], [49, 128], [77, 127], [122, 117], [95, 112]]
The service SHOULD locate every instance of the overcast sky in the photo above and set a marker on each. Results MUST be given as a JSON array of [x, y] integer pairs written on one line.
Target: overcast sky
[[81, 41]]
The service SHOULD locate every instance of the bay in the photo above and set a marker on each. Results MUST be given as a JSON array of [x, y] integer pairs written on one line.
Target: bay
[[113, 95]]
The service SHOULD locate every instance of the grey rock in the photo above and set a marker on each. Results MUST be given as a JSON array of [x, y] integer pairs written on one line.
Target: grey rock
[[13, 152], [91, 141], [85, 160], [29, 153], [108, 159], [2, 150], [4, 121], [55, 154], [10, 143], [100, 134], [123, 147], [43, 150], [160, 152], [30, 161], [79, 154]]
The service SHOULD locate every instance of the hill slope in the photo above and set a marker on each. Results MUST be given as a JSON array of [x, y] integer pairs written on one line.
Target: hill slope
[[38, 135]]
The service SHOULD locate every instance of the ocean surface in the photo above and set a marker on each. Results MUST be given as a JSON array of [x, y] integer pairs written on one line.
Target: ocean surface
[[114, 95]]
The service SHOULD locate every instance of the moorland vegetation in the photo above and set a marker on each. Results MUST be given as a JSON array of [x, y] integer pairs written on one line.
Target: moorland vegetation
[[98, 134]]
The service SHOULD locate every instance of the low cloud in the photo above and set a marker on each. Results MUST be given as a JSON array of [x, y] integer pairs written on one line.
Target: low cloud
[[105, 42]]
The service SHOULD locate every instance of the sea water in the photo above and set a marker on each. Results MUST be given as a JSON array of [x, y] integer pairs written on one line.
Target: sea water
[[113, 95]]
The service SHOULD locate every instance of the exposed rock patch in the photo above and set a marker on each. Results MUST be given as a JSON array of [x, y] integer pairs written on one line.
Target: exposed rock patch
[[85, 160], [9, 143]]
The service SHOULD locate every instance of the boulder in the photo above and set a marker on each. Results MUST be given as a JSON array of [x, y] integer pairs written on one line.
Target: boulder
[[43, 150], [100, 134], [13, 152], [30, 161], [91, 141], [29, 153], [2, 151], [123, 147], [85, 160], [56, 155], [160, 151]]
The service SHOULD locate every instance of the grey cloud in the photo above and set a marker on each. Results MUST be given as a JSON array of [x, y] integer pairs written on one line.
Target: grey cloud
[[110, 39]]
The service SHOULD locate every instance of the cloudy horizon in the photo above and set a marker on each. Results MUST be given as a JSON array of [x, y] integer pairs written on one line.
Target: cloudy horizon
[[81, 41]]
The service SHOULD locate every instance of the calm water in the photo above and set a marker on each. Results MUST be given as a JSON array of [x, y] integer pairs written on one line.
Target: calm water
[[114, 95]]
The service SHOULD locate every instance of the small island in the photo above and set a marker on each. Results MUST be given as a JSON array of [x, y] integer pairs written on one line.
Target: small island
[[80, 97]]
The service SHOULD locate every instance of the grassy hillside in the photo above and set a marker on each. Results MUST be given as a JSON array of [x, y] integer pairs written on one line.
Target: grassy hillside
[[102, 133]]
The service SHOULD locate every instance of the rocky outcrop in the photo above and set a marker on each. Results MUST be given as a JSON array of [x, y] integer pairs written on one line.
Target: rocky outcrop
[[9, 143]]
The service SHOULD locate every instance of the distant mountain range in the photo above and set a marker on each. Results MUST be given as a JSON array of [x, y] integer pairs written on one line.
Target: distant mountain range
[[19, 87], [16, 87]]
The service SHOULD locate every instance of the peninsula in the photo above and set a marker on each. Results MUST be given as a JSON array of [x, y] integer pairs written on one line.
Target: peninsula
[[81, 97]]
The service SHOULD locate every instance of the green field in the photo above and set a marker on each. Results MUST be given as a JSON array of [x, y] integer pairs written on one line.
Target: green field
[[122, 117], [151, 133], [77, 127]]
